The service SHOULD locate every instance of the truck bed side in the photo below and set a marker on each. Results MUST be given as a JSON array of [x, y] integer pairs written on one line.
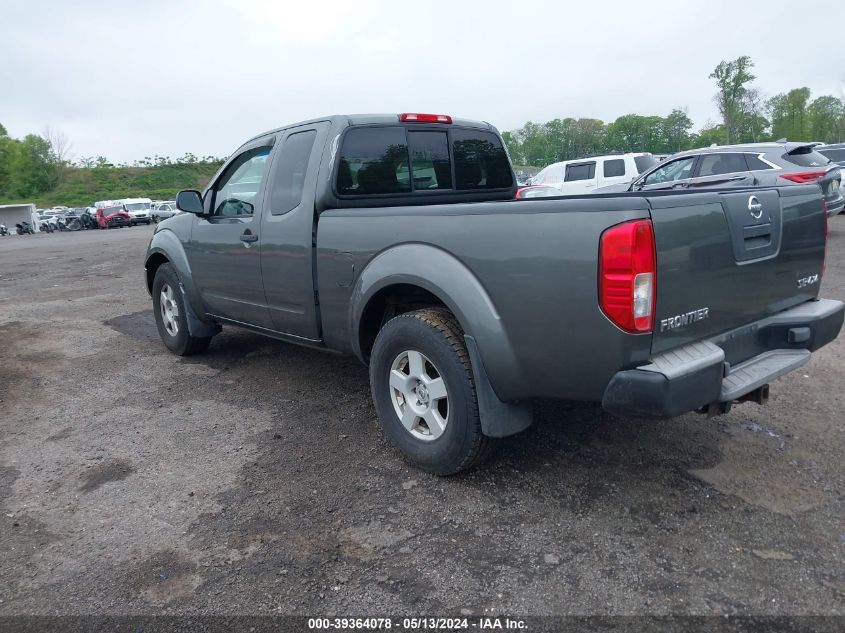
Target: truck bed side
[[537, 263]]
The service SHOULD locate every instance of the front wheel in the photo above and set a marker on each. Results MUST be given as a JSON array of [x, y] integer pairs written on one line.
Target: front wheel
[[170, 315], [423, 390]]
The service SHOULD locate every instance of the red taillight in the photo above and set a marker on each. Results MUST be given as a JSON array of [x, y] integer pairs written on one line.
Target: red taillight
[[805, 176], [416, 117], [628, 275]]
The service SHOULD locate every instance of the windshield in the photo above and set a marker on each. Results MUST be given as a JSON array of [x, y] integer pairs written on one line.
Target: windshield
[[110, 210], [137, 206]]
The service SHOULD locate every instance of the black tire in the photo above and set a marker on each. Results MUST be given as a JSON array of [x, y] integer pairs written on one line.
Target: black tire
[[436, 334], [181, 343]]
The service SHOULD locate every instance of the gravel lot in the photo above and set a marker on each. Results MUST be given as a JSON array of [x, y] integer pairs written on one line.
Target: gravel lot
[[255, 478]]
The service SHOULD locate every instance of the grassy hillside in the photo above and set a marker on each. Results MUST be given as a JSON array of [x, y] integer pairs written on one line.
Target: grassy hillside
[[80, 186]]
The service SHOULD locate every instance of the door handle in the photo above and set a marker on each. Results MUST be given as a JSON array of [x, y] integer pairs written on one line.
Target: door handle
[[249, 237]]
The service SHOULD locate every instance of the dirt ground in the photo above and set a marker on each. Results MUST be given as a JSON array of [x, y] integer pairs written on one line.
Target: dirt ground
[[255, 479]]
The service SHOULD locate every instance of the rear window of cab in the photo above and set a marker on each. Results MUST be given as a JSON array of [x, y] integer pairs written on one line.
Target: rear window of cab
[[395, 160]]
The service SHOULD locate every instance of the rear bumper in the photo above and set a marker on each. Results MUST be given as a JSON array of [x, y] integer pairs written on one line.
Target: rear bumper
[[697, 375]]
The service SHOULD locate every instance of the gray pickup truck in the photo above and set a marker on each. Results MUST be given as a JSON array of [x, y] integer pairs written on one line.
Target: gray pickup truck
[[396, 238]]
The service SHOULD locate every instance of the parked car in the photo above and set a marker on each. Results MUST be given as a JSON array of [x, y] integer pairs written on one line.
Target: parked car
[[522, 179], [47, 223], [164, 210], [115, 216], [835, 153], [349, 233], [138, 209], [576, 177], [751, 165]]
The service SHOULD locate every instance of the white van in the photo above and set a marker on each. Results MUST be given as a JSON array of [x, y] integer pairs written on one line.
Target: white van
[[138, 208], [575, 177]]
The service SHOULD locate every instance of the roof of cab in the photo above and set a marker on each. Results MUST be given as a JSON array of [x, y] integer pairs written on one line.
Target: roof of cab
[[372, 119]]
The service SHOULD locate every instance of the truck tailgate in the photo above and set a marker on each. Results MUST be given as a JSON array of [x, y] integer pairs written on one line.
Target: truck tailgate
[[725, 259]]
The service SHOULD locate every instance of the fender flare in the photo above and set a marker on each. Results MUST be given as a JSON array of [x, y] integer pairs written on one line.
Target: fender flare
[[166, 244], [495, 367]]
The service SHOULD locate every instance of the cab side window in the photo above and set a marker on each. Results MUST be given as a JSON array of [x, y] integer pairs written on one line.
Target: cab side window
[[236, 192], [669, 172], [614, 167], [289, 180], [580, 171]]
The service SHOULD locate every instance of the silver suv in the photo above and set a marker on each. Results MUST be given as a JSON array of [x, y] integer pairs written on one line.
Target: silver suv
[[750, 165], [164, 210]]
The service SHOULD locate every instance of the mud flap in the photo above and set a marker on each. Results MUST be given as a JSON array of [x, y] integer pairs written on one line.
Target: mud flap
[[498, 419], [196, 326]]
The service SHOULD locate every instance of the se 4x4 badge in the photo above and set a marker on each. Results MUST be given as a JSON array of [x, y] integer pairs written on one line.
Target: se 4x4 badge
[[808, 281]]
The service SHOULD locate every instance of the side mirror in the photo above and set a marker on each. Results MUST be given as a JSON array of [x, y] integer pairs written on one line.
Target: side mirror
[[189, 201]]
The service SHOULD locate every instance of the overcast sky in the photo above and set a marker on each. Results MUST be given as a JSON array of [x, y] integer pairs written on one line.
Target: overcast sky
[[133, 79]]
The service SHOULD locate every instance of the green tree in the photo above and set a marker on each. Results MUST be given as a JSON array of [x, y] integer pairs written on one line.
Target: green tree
[[33, 171], [708, 135], [789, 115], [636, 133], [676, 128], [587, 137], [556, 140], [513, 146], [8, 156], [753, 125], [826, 115], [535, 144], [731, 78]]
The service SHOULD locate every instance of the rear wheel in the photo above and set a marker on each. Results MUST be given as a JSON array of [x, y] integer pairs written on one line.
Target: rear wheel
[[424, 393], [170, 315]]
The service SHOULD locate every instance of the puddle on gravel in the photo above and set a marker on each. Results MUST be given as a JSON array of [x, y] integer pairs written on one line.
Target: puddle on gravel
[[140, 325]]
